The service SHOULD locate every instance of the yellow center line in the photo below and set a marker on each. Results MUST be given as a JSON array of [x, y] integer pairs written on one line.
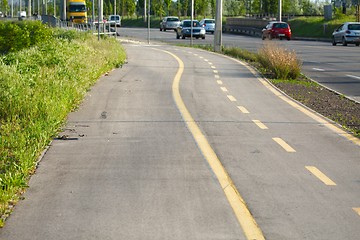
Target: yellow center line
[[219, 82], [231, 98], [317, 173], [215, 71], [357, 210], [246, 220], [217, 76], [243, 109], [260, 124], [284, 145], [213, 67], [224, 89]]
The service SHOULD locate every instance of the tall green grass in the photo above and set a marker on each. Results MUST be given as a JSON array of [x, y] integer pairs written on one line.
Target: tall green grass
[[39, 86], [317, 27]]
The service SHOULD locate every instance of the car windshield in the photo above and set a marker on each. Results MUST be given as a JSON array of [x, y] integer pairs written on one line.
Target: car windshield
[[354, 26], [172, 19], [209, 21], [114, 18], [280, 25], [188, 24]]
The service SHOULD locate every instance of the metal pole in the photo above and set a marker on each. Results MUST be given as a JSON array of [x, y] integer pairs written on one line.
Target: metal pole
[[99, 3], [93, 13], [115, 9], [192, 19], [29, 9], [54, 8], [218, 27], [149, 22], [145, 13], [280, 10]]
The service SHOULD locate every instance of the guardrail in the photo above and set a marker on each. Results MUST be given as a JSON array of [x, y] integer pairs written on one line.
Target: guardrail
[[248, 26]]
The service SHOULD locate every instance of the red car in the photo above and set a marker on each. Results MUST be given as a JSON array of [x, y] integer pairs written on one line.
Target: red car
[[276, 29]]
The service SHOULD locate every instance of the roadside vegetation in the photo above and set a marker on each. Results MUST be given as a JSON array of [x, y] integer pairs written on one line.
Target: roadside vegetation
[[41, 81], [317, 27]]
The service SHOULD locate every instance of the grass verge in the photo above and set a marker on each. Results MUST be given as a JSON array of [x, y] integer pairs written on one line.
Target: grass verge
[[39, 86]]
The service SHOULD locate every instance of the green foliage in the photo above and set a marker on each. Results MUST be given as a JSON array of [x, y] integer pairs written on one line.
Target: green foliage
[[240, 53], [317, 27], [15, 36], [39, 86]]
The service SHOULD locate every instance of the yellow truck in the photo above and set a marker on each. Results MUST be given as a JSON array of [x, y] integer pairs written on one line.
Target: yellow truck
[[76, 11]]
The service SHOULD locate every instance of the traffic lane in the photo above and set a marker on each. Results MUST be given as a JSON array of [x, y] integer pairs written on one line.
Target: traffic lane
[[287, 200], [342, 74], [126, 167], [335, 71], [347, 83]]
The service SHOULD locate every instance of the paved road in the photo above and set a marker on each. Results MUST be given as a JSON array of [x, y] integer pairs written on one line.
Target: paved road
[[335, 67], [133, 166]]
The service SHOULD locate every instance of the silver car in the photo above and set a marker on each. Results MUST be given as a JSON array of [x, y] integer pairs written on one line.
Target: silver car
[[208, 24], [348, 32], [169, 23]]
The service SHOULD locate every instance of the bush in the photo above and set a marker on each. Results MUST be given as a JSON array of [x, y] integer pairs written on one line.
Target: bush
[[240, 53], [18, 35], [283, 63]]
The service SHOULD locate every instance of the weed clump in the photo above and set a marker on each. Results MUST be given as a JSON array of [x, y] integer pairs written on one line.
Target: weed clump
[[283, 63]]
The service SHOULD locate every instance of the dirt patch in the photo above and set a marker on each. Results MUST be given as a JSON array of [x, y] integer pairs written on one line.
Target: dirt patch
[[328, 103]]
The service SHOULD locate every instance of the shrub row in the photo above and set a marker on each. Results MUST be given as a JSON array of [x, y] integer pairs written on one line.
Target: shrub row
[[39, 86], [18, 35]]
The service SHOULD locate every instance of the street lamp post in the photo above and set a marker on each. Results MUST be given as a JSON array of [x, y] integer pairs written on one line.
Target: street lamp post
[[218, 27], [280, 10]]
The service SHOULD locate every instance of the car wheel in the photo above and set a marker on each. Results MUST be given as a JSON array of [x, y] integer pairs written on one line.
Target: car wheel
[[177, 36], [288, 39], [160, 30], [344, 43], [357, 44], [333, 42], [203, 37], [183, 36]]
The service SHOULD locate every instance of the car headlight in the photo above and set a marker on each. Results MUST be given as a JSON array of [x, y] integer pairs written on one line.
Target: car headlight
[[202, 31], [187, 30]]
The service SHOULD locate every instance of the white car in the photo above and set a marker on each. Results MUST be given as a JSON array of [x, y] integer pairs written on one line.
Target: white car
[[115, 20], [348, 32], [208, 24]]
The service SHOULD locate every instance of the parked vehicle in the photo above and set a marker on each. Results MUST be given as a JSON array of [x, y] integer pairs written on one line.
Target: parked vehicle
[[276, 29], [208, 24], [169, 23], [349, 32], [21, 15], [115, 20], [184, 30], [76, 11]]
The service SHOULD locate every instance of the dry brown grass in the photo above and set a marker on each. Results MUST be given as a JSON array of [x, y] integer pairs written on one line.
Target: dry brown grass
[[282, 62]]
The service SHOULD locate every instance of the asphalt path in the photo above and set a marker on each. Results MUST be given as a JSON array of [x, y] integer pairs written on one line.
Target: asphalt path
[[336, 67], [131, 162]]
